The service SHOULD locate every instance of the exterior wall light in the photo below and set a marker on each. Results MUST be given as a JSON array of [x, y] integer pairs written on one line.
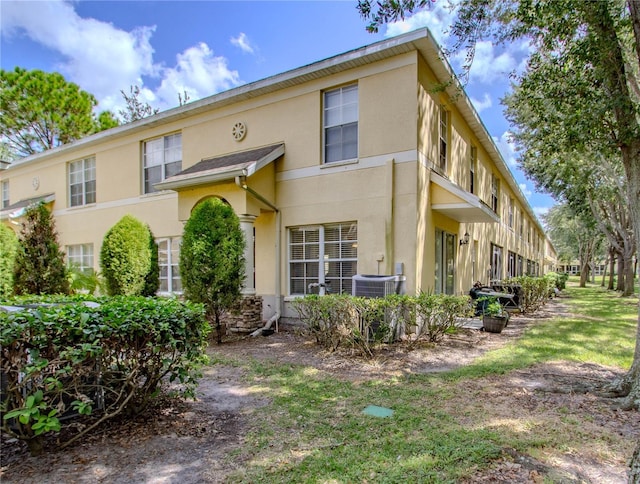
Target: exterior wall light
[[465, 239]]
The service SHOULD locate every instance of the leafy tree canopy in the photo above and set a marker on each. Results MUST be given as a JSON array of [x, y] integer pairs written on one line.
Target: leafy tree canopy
[[41, 110]]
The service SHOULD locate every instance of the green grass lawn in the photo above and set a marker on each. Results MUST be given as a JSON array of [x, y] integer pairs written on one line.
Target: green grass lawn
[[314, 430]]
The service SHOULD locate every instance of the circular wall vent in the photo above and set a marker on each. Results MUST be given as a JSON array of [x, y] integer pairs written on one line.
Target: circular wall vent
[[239, 131]]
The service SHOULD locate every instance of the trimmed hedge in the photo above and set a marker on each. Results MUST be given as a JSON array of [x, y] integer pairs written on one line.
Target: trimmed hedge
[[125, 257], [363, 323], [8, 249], [63, 359]]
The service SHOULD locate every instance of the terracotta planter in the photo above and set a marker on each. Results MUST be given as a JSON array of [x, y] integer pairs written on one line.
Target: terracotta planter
[[494, 324]]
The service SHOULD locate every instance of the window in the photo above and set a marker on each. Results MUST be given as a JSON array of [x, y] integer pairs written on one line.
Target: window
[[325, 254], [5, 194], [162, 159], [521, 230], [520, 266], [511, 264], [495, 193], [445, 262], [82, 182], [473, 162], [169, 264], [496, 263], [444, 137], [341, 124], [80, 257], [510, 216]]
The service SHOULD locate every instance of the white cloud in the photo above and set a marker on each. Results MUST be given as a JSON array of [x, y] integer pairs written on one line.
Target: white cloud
[[103, 59], [489, 64], [438, 17], [242, 41], [526, 191], [484, 104], [199, 73], [540, 211], [507, 148]]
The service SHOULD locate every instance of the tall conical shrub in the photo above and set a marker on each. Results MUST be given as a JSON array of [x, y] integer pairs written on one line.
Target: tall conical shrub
[[39, 266], [212, 258]]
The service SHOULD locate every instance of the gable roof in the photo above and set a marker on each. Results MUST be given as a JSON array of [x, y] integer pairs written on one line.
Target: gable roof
[[223, 168]]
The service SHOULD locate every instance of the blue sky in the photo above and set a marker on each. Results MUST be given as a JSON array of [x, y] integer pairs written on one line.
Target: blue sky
[[204, 47]]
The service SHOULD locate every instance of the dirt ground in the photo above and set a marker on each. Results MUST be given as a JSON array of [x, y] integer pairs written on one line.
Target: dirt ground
[[184, 442]]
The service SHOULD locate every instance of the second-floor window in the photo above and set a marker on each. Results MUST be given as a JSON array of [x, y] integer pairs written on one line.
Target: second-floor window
[[472, 169], [5, 194], [162, 159], [495, 193], [82, 182], [340, 122], [444, 137], [510, 214]]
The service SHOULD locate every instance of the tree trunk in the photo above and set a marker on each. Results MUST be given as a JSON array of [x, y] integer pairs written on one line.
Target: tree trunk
[[616, 77], [612, 265], [584, 274], [634, 474], [620, 281], [628, 277], [218, 327], [604, 273]]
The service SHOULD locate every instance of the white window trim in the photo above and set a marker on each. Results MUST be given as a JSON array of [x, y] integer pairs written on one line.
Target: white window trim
[[443, 124], [324, 128], [84, 170], [321, 254], [6, 201], [169, 265], [82, 256], [163, 165]]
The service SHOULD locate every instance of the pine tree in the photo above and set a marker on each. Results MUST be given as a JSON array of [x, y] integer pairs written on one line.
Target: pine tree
[[39, 266]]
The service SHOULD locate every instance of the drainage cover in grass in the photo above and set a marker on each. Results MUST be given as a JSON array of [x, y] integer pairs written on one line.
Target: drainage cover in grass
[[376, 411]]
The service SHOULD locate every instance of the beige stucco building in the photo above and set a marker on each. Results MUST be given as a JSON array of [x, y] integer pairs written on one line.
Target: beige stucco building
[[356, 164]]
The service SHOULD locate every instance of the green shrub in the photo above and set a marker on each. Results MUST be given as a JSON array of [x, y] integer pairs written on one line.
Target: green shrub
[[152, 279], [212, 258], [61, 359], [327, 318], [364, 323], [434, 315], [8, 249], [125, 257], [534, 292], [39, 265], [559, 280]]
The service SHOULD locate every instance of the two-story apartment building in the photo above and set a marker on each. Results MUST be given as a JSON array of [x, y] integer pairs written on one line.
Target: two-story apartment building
[[357, 164]]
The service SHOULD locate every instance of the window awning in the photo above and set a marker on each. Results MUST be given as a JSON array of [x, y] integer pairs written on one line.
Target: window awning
[[18, 209], [223, 168], [458, 204]]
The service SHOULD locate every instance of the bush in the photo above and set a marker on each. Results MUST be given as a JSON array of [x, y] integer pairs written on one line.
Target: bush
[[212, 258], [63, 359], [8, 249], [152, 279], [434, 315], [125, 257], [535, 292], [558, 280], [364, 323], [39, 266]]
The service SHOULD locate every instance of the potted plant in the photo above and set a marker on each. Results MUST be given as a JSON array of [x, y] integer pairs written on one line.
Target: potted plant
[[494, 317]]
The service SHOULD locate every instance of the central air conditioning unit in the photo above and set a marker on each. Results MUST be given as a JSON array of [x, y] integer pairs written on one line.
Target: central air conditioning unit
[[369, 285]]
